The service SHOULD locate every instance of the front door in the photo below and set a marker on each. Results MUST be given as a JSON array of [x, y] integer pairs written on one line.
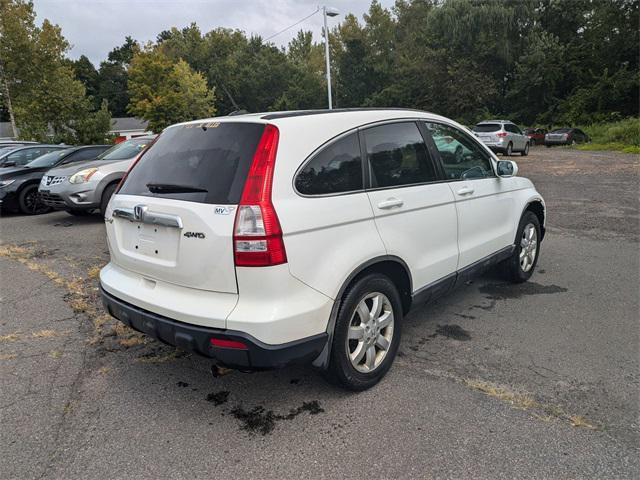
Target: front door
[[485, 203]]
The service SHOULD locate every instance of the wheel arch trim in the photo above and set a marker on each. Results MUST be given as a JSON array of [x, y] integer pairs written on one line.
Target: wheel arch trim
[[322, 361]]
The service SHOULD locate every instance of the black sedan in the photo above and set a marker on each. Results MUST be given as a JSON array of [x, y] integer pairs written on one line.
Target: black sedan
[[19, 185]]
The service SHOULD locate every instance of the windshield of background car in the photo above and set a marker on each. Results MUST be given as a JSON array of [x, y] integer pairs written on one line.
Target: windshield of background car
[[124, 150], [204, 162], [48, 159], [487, 127]]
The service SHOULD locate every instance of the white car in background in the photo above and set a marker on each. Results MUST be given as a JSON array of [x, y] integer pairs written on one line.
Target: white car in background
[[261, 240], [502, 136]]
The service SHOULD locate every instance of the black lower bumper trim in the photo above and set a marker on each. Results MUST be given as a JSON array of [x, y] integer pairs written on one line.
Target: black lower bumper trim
[[193, 338]]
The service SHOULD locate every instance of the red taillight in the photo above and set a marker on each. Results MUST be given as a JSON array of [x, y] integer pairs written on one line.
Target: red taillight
[[501, 134], [224, 343], [257, 236]]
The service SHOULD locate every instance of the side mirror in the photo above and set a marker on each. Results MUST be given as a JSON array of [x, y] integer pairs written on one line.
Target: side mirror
[[507, 168]]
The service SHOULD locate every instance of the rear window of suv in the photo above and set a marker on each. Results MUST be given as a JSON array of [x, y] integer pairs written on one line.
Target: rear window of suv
[[487, 127], [204, 163]]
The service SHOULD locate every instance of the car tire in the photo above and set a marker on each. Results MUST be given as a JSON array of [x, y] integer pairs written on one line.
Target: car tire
[[520, 265], [509, 150], [29, 203], [365, 343], [548, 146], [532, 142], [106, 196], [525, 152]]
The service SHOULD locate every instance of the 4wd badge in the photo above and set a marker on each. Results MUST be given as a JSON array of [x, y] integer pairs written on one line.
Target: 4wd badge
[[194, 234]]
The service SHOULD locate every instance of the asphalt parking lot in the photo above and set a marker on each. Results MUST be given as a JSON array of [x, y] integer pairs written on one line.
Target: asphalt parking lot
[[494, 381]]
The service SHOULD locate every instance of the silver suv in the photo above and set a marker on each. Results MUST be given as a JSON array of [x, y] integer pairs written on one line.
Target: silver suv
[[83, 187], [502, 136]]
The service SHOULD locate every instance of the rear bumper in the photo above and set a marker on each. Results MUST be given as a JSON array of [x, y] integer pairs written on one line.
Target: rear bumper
[[197, 339], [556, 142]]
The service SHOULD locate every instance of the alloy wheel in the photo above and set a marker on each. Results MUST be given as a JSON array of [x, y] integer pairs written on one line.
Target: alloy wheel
[[528, 247], [370, 332]]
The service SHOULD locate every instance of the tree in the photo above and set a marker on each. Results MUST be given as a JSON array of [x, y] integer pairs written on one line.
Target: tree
[[113, 77], [163, 92], [47, 100], [88, 75]]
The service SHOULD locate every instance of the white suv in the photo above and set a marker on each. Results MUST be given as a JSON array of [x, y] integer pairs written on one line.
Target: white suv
[[265, 239]]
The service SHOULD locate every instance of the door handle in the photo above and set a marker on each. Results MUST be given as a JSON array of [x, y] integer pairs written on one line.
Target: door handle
[[390, 203], [465, 191]]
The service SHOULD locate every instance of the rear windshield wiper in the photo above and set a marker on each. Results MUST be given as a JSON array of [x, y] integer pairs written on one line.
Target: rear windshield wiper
[[170, 188]]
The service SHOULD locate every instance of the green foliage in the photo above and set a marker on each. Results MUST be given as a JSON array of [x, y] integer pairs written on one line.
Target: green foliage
[[48, 101], [163, 92], [618, 135]]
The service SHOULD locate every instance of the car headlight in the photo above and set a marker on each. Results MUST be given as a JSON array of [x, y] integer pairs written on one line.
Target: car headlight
[[83, 175], [5, 183]]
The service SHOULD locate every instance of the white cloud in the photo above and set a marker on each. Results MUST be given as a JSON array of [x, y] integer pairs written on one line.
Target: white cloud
[[94, 27]]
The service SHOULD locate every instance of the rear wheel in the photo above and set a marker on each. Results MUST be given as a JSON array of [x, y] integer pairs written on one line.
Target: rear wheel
[[367, 333], [519, 267], [509, 150], [106, 196], [525, 152], [532, 141], [29, 201]]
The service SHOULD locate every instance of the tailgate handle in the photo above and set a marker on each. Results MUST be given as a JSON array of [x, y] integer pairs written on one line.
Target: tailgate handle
[[145, 216]]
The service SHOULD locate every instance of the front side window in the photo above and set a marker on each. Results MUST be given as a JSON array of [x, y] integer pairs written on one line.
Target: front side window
[[336, 169], [462, 158], [398, 156]]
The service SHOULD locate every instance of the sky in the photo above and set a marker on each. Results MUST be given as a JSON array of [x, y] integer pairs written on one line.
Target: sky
[[95, 27]]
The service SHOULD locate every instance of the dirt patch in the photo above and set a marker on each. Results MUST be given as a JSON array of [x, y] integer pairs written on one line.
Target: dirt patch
[[504, 291], [259, 420], [218, 398], [455, 332]]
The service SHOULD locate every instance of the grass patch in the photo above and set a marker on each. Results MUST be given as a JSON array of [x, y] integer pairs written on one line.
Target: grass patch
[[525, 401], [621, 136], [46, 334], [11, 337]]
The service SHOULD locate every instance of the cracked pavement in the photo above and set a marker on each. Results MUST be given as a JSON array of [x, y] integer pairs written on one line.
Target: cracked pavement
[[539, 380]]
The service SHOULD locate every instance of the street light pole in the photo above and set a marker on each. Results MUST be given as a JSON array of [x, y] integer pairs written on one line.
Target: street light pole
[[328, 12]]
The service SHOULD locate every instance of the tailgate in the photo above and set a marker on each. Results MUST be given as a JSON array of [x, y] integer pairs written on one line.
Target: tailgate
[[185, 243]]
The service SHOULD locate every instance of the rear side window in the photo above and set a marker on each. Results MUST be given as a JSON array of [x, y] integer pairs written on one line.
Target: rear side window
[[487, 127], [204, 163], [397, 155], [336, 169]]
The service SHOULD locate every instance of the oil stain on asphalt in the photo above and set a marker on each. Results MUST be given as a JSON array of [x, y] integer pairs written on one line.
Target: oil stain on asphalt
[[218, 398], [259, 420], [504, 291], [455, 332]]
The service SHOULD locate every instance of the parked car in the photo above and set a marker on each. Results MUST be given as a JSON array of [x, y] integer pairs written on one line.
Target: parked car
[[23, 155], [80, 189], [536, 135], [565, 136], [19, 185], [502, 136], [267, 239]]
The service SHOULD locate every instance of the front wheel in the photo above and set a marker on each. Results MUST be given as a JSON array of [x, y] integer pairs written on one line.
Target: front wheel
[[367, 333], [30, 203], [106, 196], [519, 267]]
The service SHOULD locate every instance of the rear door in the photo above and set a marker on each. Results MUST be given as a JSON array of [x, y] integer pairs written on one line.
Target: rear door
[[485, 203], [413, 209], [173, 218]]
